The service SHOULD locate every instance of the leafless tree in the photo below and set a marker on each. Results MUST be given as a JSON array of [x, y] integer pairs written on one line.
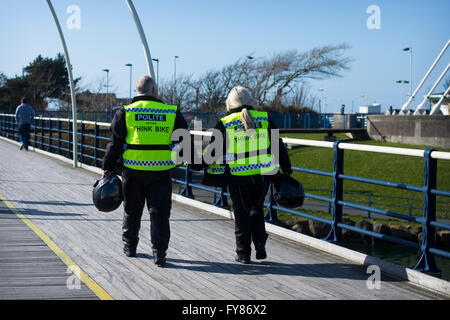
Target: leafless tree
[[270, 79], [300, 97], [275, 81], [180, 93]]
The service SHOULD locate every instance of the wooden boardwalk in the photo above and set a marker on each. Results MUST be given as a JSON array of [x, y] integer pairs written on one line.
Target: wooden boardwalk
[[57, 199], [29, 269]]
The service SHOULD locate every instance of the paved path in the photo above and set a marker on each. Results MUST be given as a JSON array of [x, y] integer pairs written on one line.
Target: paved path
[[57, 199]]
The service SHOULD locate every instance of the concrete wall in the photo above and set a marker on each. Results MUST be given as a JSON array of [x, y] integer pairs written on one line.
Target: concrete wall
[[344, 121], [425, 130]]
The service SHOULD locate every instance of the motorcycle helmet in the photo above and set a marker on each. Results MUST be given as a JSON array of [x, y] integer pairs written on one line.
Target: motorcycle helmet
[[288, 192], [107, 193]]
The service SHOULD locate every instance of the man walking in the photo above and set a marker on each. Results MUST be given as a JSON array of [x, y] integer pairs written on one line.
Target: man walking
[[141, 132], [24, 117]]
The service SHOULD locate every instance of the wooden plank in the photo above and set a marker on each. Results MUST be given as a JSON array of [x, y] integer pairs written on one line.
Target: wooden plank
[[32, 271]]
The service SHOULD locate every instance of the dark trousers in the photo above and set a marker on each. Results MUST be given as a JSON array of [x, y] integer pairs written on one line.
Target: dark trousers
[[23, 133], [152, 187], [248, 202]]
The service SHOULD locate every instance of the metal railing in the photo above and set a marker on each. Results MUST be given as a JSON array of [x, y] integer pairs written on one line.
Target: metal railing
[[409, 204], [54, 135], [209, 119]]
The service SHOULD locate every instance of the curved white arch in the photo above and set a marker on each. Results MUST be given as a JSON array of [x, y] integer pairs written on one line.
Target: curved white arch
[[72, 89], [148, 57]]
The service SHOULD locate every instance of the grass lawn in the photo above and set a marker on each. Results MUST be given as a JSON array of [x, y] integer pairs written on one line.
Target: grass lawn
[[393, 168]]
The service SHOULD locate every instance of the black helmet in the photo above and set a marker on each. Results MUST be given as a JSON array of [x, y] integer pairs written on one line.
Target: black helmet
[[107, 193], [288, 192]]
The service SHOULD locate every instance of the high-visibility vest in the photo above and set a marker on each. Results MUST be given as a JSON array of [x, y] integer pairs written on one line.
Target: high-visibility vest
[[149, 130], [247, 151]]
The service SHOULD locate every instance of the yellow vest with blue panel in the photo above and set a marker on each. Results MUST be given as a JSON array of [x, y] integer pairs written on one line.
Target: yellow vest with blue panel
[[149, 131], [247, 152]]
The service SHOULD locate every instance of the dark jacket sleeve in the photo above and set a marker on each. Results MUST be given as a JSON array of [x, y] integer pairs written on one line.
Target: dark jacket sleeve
[[180, 122], [114, 148], [285, 162]]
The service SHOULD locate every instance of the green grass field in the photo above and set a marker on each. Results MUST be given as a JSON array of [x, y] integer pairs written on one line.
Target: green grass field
[[394, 168]]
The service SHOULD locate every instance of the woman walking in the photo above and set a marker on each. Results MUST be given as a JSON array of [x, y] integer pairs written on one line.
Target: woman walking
[[247, 168]]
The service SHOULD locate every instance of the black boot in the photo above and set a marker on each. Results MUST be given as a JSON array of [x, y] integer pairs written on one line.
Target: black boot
[[130, 251], [260, 251], [159, 257], [245, 259]]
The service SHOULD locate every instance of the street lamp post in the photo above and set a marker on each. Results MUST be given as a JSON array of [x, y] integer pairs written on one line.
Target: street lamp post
[[157, 71], [175, 79], [320, 100], [410, 69], [131, 67], [175, 70], [107, 87], [401, 83]]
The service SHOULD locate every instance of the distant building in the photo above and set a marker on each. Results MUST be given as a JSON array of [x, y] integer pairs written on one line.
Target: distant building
[[373, 109]]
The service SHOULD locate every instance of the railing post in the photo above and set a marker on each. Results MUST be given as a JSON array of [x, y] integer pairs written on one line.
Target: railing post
[[3, 125], [410, 207], [427, 262], [59, 135], [187, 192], [272, 215], [35, 133], [95, 141], [223, 200], [50, 135], [69, 139], [82, 139], [329, 203], [370, 205], [335, 234], [42, 133]]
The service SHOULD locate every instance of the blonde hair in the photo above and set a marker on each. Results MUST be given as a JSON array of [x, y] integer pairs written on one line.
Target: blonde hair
[[238, 97]]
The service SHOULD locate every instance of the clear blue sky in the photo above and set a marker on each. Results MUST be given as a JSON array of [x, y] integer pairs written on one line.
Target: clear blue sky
[[209, 34]]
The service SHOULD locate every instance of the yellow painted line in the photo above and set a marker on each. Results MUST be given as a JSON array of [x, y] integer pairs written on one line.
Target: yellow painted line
[[83, 276]]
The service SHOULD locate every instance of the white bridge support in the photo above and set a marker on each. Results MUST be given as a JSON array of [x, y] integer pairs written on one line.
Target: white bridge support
[[407, 105], [437, 106], [421, 106]]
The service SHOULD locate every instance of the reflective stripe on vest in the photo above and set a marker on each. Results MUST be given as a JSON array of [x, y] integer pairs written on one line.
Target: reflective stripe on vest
[[239, 122], [251, 167], [149, 131], [246, 153]]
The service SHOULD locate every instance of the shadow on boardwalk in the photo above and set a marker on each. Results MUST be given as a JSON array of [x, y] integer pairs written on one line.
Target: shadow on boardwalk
[[329, 270]]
